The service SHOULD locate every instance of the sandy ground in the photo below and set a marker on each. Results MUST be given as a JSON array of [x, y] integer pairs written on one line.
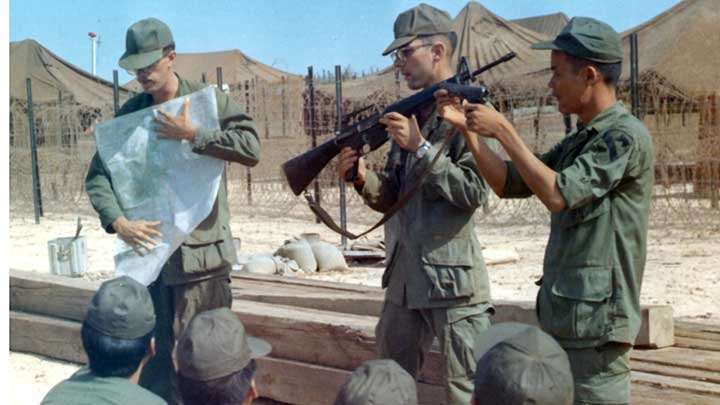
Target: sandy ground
[[682, 270]]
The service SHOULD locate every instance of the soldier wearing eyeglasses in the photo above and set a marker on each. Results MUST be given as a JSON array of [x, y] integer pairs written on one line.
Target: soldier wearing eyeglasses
[[436, 282], [196, 277]]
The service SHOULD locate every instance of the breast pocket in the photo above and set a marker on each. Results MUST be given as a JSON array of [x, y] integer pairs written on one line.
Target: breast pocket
[[579, 303], [449, 268]]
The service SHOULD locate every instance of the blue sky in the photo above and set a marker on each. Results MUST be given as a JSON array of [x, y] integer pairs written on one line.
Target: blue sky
[[289, 35]]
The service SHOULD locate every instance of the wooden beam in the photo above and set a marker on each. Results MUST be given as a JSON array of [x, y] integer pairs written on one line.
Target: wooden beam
[[279, 379], [67, 298]]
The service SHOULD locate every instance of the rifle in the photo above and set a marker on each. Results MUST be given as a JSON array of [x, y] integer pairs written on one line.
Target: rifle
[[368, 134]]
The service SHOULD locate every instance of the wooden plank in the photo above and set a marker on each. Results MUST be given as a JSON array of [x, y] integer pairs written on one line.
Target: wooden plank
[[699, 327], [61, 339], [278, 379], [696, 343], [55, 338], [67, 298], [671, 371], [642, 394], [709, 336], [680, 384], [301, 383], [680, 357], [47, 294]]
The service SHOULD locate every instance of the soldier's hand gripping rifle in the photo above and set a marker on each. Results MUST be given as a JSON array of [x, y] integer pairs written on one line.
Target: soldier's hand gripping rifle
[[368, 134]]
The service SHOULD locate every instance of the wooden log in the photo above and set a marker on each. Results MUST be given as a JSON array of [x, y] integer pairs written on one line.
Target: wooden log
[[279, 379], [642, 394], [46, 294], [680, 357], [680, 384], [301, 383], [67, 298], [697, 343], [675, 371]]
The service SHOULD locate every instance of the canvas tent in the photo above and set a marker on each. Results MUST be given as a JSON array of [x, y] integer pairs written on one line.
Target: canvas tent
[[51, 74], [549, 24], [236, 68], [484, 37], [680, 46]]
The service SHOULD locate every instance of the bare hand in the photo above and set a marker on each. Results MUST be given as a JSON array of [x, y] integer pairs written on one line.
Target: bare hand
[[450, 108], [138, 234], [404, 131], [485, 121], [179, 127], [346, 160]]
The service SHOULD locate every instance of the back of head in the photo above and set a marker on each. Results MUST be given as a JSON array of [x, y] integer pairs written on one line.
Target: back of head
[[216, 359], [378, 382], [118, 327], [521, 364]]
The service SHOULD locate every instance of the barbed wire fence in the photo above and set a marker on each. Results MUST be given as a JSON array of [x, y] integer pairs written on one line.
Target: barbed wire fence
[[685, 130]]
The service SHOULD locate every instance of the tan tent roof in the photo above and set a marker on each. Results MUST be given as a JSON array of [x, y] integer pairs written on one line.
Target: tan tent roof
[[549, 24], [484, 37], [236, 68], [50, 73], [681, 45]]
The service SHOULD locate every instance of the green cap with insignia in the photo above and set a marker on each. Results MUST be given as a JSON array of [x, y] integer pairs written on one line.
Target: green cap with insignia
[[215, 345], [420, 21], [587, 38], [144, 43], [378, 382], [122, 308], [522, 364]]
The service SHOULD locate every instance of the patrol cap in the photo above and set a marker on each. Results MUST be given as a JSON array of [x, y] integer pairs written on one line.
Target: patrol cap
[[144, 42], [215, 345], [378, 382], [587, 38], [121, 308], [420, 21], [521, 364]]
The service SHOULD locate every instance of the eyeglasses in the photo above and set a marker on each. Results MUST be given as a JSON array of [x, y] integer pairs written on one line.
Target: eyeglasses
[[401, 55], [146, 69]]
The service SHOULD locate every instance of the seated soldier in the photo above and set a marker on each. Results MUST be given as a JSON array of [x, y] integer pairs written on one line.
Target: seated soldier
[[216, 360], [520, 364], [118, 338], [378, 382]]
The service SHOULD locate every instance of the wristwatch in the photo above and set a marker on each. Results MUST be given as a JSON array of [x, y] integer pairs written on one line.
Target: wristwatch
[[422, 150]]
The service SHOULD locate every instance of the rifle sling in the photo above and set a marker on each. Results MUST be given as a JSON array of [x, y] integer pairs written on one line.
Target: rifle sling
[[400, 203]]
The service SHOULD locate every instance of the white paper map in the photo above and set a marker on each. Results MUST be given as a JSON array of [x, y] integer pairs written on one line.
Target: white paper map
[[159, 179]]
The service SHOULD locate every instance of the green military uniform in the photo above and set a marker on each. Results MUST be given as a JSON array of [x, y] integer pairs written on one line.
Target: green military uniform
[[120, 310], [196, 277], [436, 282], [86, 388], [589, 299]]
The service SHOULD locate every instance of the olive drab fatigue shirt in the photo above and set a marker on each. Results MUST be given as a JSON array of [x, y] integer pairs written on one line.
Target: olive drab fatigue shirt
[[436, 261], [208, 251], [86, 388], [595, 257]]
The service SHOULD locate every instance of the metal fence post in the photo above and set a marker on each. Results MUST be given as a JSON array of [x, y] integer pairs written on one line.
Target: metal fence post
[[338, 128], [313, 132], [37, 197], [634, 90], [116, 92]]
